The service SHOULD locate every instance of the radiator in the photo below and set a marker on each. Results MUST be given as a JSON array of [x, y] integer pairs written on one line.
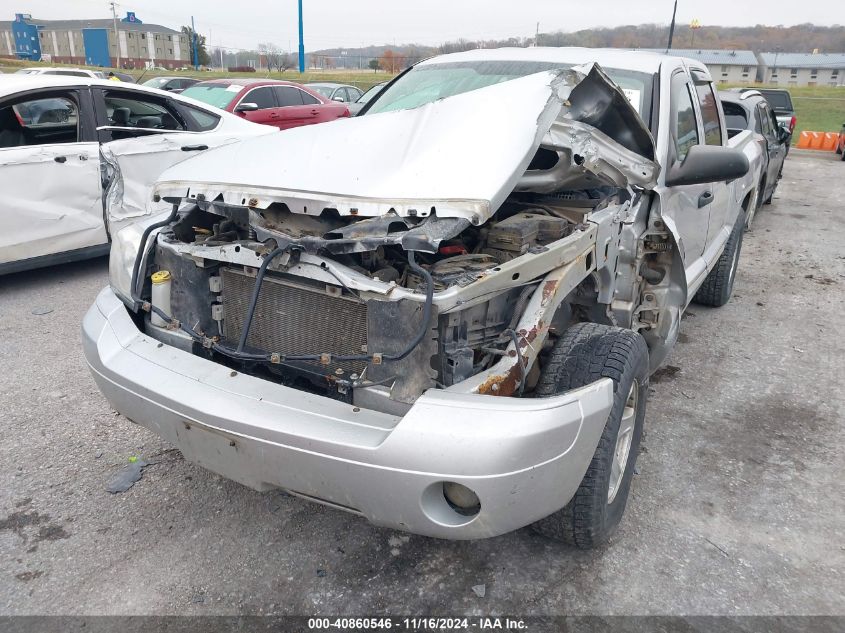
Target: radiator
[[293, 318]]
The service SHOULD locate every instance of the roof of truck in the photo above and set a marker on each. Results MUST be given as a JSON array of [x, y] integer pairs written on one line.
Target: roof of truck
[[638, 61]]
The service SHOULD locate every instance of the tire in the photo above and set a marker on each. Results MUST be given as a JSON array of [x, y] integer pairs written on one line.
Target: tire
[[585, 353], [719, 283]]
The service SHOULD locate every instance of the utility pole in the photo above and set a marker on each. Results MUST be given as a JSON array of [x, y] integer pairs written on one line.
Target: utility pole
[[537, 36], [301, 42], [194, 45], [116, 38], [672, 27]]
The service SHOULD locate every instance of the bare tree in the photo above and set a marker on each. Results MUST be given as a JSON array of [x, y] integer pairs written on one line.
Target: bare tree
[[286, 62], [273, 54]]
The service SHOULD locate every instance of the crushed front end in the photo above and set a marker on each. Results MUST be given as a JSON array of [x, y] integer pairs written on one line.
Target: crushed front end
[[379, 353]]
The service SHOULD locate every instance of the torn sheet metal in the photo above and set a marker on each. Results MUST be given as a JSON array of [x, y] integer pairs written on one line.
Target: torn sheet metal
[[459, 157], [133, 165]]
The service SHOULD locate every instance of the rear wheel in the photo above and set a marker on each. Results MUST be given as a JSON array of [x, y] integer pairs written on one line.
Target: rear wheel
[[586, 353], [719, 284]]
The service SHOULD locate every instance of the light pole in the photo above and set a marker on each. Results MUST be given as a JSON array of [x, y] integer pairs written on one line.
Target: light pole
[[301, 42], [194, 43], [693, 27], [116, 38]]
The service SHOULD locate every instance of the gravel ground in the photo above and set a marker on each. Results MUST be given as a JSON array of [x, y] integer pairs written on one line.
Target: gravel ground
[[737, 507]]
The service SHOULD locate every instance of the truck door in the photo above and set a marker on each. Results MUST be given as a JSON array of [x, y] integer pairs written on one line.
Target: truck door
[[775, 149], [687, 206], [722, 215]]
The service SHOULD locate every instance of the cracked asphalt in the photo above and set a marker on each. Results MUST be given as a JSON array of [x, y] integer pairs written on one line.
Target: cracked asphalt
[[737, 507]]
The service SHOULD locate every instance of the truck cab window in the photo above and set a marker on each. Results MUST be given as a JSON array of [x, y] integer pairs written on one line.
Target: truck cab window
[[684, 123], [709, 113]]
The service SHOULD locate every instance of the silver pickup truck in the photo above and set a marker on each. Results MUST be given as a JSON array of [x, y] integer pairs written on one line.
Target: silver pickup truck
[[442, 314]]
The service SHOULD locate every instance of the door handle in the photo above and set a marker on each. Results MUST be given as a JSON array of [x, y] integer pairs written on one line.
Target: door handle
[[315, 112], [194, 148], [705, 198], [274, 115], [60, 159]]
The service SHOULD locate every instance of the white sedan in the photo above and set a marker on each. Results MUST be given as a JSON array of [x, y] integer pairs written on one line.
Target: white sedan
[[78, 157]]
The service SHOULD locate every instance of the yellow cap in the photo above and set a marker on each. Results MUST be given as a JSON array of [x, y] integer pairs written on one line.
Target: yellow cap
[[161, 277]]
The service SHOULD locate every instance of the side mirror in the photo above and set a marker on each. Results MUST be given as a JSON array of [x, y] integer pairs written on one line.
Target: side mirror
[[708, 163], [246, 107], [783, 133], [341, 99]]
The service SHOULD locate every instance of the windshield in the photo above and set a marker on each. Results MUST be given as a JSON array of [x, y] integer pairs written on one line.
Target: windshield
[[430, 82], [372, 92], [326, 91], [158, 82], [218, 95]]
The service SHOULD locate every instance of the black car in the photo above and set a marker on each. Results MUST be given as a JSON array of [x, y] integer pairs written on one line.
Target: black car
[[750, 110], [171, 84]]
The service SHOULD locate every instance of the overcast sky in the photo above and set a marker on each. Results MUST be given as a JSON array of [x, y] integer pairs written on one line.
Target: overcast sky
[[353, 23]]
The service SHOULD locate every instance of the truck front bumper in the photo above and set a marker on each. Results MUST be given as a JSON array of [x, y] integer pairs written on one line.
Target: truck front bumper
[[524, 458]]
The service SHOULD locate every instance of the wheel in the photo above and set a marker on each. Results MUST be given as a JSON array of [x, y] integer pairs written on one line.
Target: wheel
[[719, 284], [585, 353]]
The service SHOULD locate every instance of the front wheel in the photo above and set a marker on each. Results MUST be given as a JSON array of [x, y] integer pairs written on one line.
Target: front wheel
[[719, 283], [584, 354]]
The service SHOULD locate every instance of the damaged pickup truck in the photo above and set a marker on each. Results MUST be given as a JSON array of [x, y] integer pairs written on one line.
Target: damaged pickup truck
[[442, 314]]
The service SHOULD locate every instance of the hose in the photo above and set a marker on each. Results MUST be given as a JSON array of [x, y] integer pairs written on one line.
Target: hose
[[254, 301], [239, 353], [142, 253]]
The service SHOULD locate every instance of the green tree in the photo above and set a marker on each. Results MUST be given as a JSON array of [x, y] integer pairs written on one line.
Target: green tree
[[374, 65], [203, 58]]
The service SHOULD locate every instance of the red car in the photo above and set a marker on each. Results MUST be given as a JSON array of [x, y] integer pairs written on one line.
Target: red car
[[281, 103]]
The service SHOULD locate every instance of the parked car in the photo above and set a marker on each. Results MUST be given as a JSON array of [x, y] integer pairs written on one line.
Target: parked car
[[171, 84], [443, 318], [749, 110], [336, 92], [68, 72], [364, 99], [780, 101], [76, 150], [283, 104]]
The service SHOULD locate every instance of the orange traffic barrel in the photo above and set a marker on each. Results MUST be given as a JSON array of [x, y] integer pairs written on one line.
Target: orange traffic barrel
[[804, 140], [830, 141]]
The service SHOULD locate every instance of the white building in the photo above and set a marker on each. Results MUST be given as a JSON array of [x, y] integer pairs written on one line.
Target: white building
[[725, 66], [803, 69]]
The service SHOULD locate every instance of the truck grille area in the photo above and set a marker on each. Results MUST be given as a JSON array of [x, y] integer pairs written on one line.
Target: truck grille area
[[293, 318]]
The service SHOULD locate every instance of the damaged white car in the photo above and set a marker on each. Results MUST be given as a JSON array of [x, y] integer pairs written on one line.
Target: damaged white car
[[440, 315], [79, 156]]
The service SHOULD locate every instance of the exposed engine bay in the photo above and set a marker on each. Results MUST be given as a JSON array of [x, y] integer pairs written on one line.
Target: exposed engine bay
[[374, 303]]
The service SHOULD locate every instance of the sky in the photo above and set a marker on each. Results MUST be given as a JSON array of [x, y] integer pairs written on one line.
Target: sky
[[354, 23]]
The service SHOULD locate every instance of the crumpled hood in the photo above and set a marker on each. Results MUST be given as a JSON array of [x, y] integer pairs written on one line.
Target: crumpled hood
[[457, 157]]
